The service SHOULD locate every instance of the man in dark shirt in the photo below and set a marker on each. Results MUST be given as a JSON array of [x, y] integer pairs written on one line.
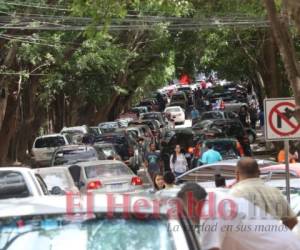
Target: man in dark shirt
[[153, 161]]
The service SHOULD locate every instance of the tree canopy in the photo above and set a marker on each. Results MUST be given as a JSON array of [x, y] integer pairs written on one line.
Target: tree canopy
[[76, 62]]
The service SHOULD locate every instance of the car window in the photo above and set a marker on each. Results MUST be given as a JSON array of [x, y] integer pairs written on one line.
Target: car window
[[115, 139], [12, 185], [75, 155], [43, 184], [232, 115], [212, 115], [177, 98], [56, 178], [107, 170], [207, 174], [280, 175], [150, 116], [108, 151], [200, 175], [50, 142], [173, 110]]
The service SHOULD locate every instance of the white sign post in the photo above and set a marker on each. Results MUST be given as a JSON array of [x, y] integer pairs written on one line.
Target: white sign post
[[281, 125]]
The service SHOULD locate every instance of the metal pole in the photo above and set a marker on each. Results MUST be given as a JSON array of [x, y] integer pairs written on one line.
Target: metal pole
[[287, 169]]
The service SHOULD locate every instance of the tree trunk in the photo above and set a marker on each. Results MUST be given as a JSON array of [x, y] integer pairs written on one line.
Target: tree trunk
[[8, 62], [8, 126], [287, 51]]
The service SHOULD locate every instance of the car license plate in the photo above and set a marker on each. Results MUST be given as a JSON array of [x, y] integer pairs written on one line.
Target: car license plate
[[116, 186]]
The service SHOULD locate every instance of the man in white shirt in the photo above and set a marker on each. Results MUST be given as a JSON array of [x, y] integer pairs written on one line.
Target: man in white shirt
[[230, 223], [267, 198]]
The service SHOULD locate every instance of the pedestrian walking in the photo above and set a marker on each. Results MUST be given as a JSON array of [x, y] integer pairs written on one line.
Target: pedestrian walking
[[253, 115], [243, 114], [153, 161], [178, 162], [194, 115]]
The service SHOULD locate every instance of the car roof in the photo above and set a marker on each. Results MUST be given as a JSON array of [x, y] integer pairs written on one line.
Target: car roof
[[52, 169], [293, 166], [104, 144], [108, 122], [74, 147], [23, 169], [179, 93], [58, 205], [172, 107], [74, 128], [219, 140], [98, 162], [50, 135], [214, 111], [152, 113], [118, 132]]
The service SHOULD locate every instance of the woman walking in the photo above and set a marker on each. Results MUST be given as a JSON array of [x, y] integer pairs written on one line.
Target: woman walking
[[178, 162]]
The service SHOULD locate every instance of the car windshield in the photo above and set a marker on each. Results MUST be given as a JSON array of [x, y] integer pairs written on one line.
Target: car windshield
[[50, 142], [109, 125], [55, 177], [212, 115], [60, 233], [150, 116], [115, 139], [177, 98], [106, 170], [72, 156], [12, 185], [173, 109], [107, 150]]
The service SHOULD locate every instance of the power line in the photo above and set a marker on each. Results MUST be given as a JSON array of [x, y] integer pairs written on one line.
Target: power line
[[35, 6]]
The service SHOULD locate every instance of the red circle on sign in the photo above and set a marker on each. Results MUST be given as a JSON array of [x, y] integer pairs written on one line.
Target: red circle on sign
[[275, 110]]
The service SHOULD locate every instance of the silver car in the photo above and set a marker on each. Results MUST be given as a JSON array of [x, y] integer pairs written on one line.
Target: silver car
[[44, 147], [206, 173], [105, 176]]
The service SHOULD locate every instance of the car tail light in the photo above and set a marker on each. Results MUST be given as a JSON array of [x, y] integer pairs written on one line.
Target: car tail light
[[136, 181], [94, 185], [191, 150]]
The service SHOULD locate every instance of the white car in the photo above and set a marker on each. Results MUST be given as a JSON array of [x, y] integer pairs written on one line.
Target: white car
[[94, 222], [177, 114], [58, 179], [20, 182], [44, 147]]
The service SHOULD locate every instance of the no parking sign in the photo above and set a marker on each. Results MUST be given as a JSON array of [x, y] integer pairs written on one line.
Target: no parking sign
[[280, 122]]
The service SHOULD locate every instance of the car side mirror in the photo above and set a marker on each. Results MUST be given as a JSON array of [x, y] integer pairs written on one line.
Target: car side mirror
[[56, 190]]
